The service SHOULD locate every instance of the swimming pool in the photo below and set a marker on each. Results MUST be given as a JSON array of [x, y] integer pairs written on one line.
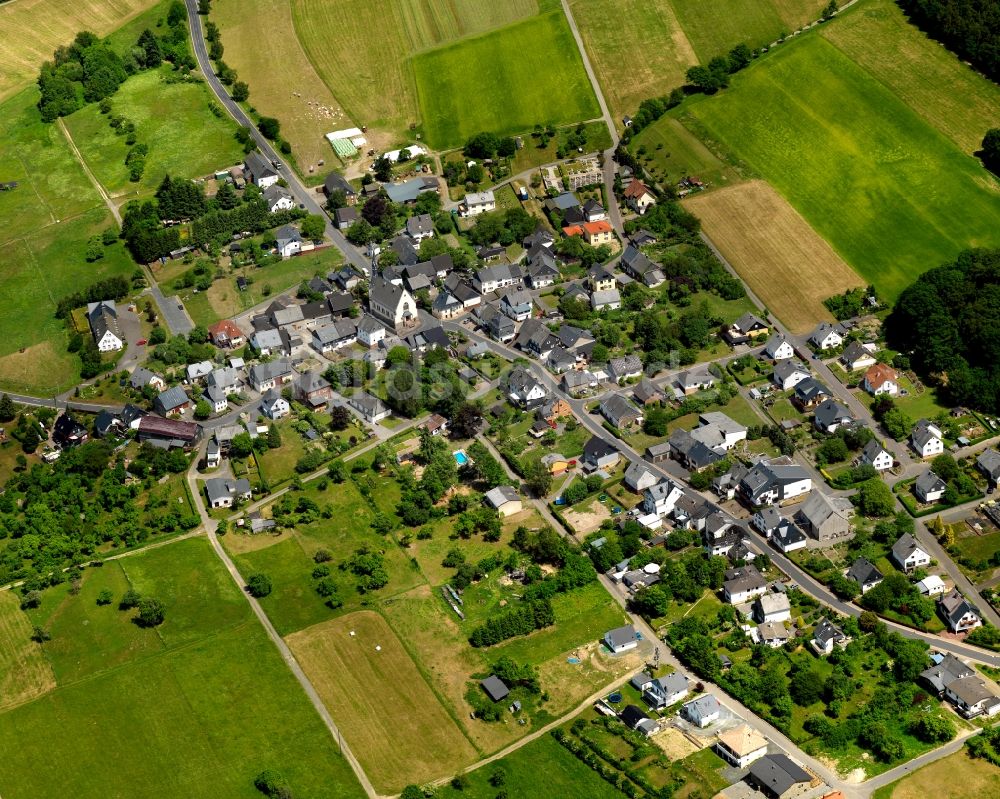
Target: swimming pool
[[461, 458]]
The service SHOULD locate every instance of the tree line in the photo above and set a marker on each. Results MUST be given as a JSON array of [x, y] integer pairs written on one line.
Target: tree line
[[969, 28]]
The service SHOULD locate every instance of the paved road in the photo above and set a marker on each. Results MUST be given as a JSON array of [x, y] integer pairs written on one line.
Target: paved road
[[171, 308], [304, 196]]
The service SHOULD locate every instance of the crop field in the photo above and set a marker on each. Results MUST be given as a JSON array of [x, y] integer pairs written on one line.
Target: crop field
[[389, 715], [948, 94], [534, 75], [978, 779], [169, 117], [24, 672], [893, 196], [33, 29], [196, 707], [774, 250], [257, 35]]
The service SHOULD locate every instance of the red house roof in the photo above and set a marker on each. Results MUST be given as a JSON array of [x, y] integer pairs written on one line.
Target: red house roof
[[636, 189]]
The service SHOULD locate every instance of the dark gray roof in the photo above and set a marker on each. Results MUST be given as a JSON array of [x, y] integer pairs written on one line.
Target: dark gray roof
[[864, 572], [170, 399], [777, 773], [258, 166], [495, 688]]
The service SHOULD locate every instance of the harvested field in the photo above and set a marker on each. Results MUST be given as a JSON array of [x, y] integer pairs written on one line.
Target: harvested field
[[389, 715], [24, 672], [775, 251], [258, 34], [33, 29]]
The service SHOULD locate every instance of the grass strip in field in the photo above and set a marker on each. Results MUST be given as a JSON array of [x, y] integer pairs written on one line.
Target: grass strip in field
[[786, 264], [891, 194], [24, 671], [389, 715]]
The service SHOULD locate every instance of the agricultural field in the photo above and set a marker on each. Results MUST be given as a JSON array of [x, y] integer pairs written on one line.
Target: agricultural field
[[856, 162], [25, 673], [772, 247], [389, 714], [547, 76], [670, 152], [169, 119], [978, 778], [33, 29], [948, 94], [195, 707]]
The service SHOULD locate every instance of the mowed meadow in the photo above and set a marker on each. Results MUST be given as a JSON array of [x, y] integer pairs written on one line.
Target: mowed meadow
[[196, 707], [892, 194]]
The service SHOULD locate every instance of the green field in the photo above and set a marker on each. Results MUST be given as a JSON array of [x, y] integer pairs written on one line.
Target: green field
[[185, 138], [673, 152], [506, 82], [196, 707], [892, 195]]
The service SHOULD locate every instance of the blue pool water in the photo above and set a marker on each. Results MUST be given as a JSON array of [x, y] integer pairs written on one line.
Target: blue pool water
[[461, 458]]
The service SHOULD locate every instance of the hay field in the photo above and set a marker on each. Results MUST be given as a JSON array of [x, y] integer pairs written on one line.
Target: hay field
[[892, 195], [948, 94], [374, 82], [24, 672], [775, 251], [528, 73], [33, 29], [388, 713], [260, 44], [637, 47], [978, 779]]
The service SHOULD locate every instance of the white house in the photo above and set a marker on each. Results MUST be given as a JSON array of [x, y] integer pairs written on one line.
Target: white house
[[927, 439], [370, 331], [881, 379], [772, 608], [371, 408], [741, 746], [478, 203], [420, 227], [103, 319], [274, 406], [289, 241], [621, 639], [278, 198], [876, 456], [908, 554], [390, 303], [702, 711], [929, 487], [931, 585], [857, 356], [779, 348], [265, 376], [504, 500], [827, 336], [742, 585], [661, 499], [259, 171], [826, 636], [638, 197], [524, 390], [788, 374], [222, 492], [666, 690]]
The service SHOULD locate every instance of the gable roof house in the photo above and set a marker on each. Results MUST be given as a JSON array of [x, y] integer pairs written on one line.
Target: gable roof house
[[662, 498], [599, 454], [827, 336], [741, 746], [943, 673], [626, 368], [68, 432], [313, 390], [259, 171], [536, 339], [392, 304], [345, 217], [826, 636], [988, 462], [666, 690], [865, 574], [743, 584], [702, 711], [927, 439], [830, 415], [809, 393], [929, 487], [772, 481], [876, 456], [223, 492], [638, 197], [609, 298], [856, 356], [543, 269], [748, 327], [770, 633], [881, 379], [779, 348], [908, 554], [958, 613], [561, 360], [778, 777], [337, 182], [478, 203], [788, 537], [420, 227], [495, 322], [371, 408], [691, 382], [264, 376], [825, 518], [266, 341], [499, 276], [621, 639], [504, 500], [517, 304], [577, 383], [172, 401], [772, 608], [142, 377], [103, 319], [639, 477], [646, 392], [278, 198], [600, 278], [788, 374], [289, 240], [226, 334], [971, 697], [524, 390], [637, 265], [495, 688], [620, 413]]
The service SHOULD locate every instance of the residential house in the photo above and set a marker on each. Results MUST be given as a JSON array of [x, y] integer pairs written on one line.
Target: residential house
[[524, 390], [289, 241], [504, 500], [259, 171], [766, 520], [428, 338], [420, 227], [702, 711], [908, 554], [478, 203], [536, 339], [774, 481], [810, 393], [142, 377], [603, 300], [543, 269], [661, 499], [881, 379], [312, 390], [620, 413], [772, 608], [719, 534], [743, 584], [600, 278], [217, 398], [491, 252], [266, 341], [500, 276], [68, 432], [988, 462], [226, 379], [226, 334], [740, 746], [621, 639], [958, 613], [274, 406], [103, 319], [563, 203], [199, 371], [825, 518], [639, 477], [336, 182], [788, 374], [599, 454], [406, 254], [826, 636], [223, 492], [876, 456], [107, 424], [929, 488], [172, 401], [593, 211], [578, 383], [778, 777], [830, 415], [748, 328], [345, 217], [598, 233], [972, 698], [391, 304], [691, 382], [626, 368], [927, 439], [561, 360], [666, 690], [856, 357], [540, 238], [638, 197], [641, 268], [647, 393], [787, 537], [944, 671], [931, 585], [635, 719], [718, 431], [370, 331], [771, 634], [517, 304], [865, 574], [278, 198], [779, 348], [495, 322], [436, 425], [371, 408], [265, 376], [827, 336]]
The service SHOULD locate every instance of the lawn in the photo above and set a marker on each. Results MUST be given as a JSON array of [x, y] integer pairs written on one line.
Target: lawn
[[196, 708], [33, 29], [978, 547], [389, 715], [978, 779], [672, 152], [25, 672], [856, 162], [531, 72], [175, 120]]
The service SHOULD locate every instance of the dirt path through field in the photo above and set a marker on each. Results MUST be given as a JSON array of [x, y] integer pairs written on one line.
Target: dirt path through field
[[93, 179]]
